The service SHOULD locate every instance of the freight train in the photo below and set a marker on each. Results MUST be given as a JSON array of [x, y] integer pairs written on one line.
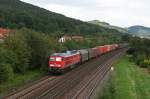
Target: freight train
[[58, 62]]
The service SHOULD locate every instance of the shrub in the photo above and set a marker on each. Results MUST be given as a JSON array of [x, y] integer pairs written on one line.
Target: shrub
[[6, 72], [7, 56], [71, 45], [148, 66]]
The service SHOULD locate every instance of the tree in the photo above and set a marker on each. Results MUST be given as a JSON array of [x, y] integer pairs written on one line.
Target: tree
[[18, 45]]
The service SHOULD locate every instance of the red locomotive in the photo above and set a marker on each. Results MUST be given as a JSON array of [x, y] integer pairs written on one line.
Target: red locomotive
[[60, 61]]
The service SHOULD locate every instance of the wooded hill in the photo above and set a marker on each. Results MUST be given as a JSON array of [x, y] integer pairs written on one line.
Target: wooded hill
[[109, 26], [16, 14]]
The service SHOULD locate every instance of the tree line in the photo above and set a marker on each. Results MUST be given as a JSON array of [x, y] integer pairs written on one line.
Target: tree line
[[24, 50], [140, 51]]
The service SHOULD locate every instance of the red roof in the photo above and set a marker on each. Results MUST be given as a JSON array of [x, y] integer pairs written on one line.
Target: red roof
[[3, 32]]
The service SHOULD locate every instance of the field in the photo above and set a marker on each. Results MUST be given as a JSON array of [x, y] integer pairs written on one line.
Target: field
[[128, 82]]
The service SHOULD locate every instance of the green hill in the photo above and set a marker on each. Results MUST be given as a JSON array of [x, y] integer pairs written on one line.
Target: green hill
[[107, 25], [18, 14]]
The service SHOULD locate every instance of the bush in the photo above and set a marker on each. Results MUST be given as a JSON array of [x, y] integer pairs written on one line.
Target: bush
[[71, 45], [148, 66], [7, 56], [6, 72], [139, 59]]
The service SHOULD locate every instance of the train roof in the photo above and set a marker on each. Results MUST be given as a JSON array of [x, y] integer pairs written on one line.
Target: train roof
[[66, 54]]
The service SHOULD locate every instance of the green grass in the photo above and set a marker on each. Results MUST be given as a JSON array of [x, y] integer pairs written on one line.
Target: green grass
[[20, 80], [128, 82]]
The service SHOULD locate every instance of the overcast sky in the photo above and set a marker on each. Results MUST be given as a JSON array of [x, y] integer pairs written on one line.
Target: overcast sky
[[116, 12]]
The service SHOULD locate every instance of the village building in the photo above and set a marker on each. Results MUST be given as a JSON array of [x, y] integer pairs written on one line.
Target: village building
[[3, 32], [66, 38]]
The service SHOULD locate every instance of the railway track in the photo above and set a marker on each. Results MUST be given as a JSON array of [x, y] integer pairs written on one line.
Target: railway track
[[23, 92], [72, 85], [88, 88]]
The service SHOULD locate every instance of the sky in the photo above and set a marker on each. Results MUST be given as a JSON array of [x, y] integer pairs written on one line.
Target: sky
[[122, 13]]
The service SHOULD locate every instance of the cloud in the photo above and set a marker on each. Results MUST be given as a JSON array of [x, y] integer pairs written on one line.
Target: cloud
[[117, 12], [62, 2]]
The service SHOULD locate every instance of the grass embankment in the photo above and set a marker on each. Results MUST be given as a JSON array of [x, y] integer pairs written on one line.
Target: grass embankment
[[128, 82], [20, 80]]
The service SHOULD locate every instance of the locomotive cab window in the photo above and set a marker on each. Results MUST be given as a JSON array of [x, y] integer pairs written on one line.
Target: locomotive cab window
[[52, 59]]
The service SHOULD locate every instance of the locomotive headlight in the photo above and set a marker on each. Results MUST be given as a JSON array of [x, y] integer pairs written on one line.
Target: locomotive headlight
[[51, 65], [58, 59], [59, 65]]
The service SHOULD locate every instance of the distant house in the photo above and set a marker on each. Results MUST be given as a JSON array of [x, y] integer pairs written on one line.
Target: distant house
[[3, 32], [66, 38], [77, 38]]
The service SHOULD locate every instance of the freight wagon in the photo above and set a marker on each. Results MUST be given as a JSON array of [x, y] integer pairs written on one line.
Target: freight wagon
[[84, 54]]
